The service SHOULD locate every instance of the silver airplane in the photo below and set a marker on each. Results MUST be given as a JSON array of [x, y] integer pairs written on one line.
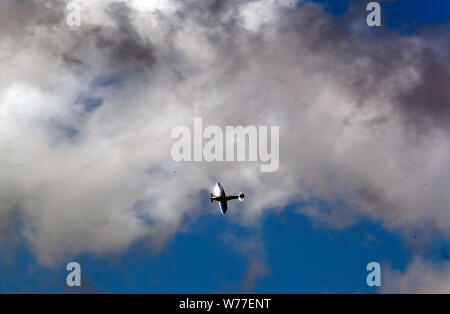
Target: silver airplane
[[218, 195]]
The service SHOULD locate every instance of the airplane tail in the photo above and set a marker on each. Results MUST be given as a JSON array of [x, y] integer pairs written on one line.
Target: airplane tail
[[211, 197]]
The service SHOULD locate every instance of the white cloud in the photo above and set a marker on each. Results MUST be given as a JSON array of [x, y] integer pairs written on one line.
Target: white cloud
[[95, 182], [420, 277]]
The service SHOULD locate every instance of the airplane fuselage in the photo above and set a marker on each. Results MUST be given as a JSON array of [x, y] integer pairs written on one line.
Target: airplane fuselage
[[224, 198]]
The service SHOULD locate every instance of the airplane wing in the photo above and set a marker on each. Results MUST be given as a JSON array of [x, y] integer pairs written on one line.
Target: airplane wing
[[223, 207]]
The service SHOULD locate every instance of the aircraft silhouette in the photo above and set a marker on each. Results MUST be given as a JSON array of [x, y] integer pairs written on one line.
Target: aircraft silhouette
[[218, 195]]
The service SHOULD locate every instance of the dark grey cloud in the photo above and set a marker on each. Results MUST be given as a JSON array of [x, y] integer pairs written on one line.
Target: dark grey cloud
[[124, 44], [423, 104], [19, 18], [119, 46], [427, 105]]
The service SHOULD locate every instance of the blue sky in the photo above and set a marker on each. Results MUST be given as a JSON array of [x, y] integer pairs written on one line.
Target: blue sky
[[297, 254], [302, 256], [405, 15]]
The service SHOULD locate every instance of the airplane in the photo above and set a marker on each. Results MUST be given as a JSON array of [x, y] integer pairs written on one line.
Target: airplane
[[218, 195]]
